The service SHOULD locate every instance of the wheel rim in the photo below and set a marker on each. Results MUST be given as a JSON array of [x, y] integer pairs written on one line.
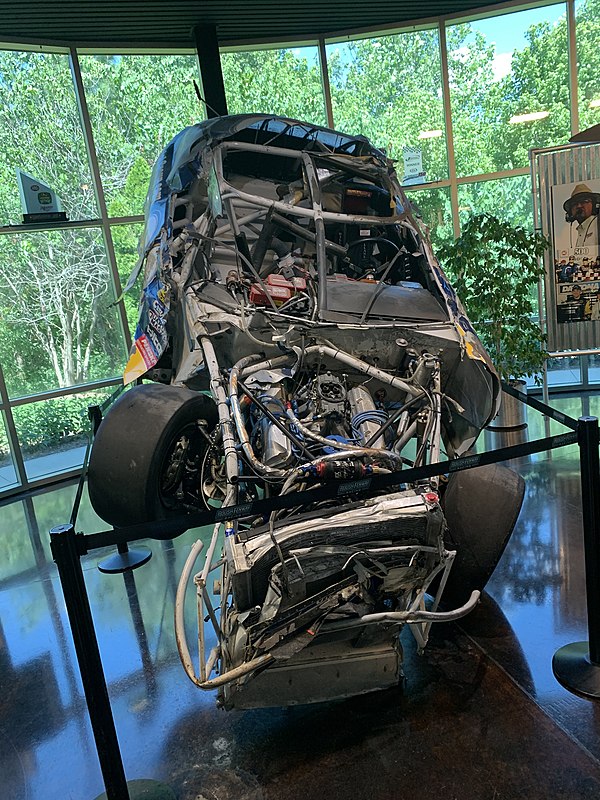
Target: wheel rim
[[179, 474]]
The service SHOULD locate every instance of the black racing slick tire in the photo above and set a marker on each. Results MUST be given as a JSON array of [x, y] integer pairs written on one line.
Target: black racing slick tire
[[133, 470], [481, 506]]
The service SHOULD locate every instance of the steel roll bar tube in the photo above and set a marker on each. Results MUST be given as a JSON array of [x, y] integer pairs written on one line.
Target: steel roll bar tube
[[236, 413], [218, 392]]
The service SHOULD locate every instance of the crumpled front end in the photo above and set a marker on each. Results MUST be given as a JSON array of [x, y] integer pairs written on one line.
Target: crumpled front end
[[287, 279], [325, 597]]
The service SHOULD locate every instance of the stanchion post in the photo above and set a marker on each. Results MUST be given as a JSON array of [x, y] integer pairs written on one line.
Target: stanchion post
[[590, 496], [577, 665], [63, 543]]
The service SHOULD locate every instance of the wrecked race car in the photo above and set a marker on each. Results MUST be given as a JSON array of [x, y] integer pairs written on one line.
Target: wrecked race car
[[301, 344]]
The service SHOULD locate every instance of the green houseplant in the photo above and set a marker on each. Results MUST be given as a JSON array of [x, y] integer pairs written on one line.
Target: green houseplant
[[495, 269]]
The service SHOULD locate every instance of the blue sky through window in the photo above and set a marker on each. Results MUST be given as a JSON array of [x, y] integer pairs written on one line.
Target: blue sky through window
[[507, 31]]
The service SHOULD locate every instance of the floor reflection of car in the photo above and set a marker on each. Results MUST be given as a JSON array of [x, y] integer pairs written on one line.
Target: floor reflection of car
[[296, 331]]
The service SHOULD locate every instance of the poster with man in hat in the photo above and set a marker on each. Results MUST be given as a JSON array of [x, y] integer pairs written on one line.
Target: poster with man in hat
[[576, 241]]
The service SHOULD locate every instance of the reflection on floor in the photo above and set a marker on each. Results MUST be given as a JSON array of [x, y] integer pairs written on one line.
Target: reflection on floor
[[481, 715]]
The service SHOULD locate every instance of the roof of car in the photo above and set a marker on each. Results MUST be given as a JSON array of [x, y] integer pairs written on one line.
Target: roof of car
[[179, 163], [275, 130]]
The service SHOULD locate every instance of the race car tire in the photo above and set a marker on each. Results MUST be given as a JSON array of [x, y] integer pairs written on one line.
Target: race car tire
[[128, 470], [481, 506]]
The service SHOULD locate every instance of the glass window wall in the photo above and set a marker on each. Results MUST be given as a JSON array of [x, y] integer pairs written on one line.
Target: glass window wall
[[389, 89], [508, 199], [435, 209], [286, 82], [8, 473], [587, 36], [53, 433], [41, 135], [137, 103], [564, 371], [17, 552], [594, 369], [509, 87], [58, 322], [509, 90], [126, 241], [53, 505]]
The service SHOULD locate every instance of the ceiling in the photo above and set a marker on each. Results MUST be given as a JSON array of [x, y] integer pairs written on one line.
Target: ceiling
[[160, 22]]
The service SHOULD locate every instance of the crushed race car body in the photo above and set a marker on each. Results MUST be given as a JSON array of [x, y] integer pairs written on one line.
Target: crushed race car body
[[299, 336]]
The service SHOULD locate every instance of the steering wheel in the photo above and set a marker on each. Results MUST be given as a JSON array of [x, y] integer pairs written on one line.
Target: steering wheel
[[372, 242]]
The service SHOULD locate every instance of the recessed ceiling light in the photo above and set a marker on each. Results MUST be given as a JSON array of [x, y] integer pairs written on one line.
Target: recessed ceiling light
[[529, 117]]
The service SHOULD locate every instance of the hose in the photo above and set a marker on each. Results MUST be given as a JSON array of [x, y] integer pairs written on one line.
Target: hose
[[236, 672], [346, 449], [236, 412], [262, 404], [180, 637], [408, 617], [377, 416]]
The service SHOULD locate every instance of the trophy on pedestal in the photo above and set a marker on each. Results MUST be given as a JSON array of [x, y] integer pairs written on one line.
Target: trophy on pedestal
[[38, 201]]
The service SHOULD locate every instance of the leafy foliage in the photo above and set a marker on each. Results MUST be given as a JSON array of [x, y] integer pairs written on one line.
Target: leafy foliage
[[378, 91], [137, 104], [58, 307], [57, 319], [286, 82], [49, 425], [494, 266], [588, 35]]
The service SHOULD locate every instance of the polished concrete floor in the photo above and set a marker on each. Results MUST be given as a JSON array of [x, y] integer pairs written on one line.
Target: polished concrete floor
[[480, 716]]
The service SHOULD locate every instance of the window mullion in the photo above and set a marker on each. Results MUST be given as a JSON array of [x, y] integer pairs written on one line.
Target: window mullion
[[98, 188], [449, 134]]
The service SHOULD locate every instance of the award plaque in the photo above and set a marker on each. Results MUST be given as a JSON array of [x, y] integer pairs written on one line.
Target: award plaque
[[38, 201]]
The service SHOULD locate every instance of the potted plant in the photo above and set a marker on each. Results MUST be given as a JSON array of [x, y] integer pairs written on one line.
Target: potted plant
[[495, 268]]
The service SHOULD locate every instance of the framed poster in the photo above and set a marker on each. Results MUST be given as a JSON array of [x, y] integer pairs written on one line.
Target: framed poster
[[576, 250]]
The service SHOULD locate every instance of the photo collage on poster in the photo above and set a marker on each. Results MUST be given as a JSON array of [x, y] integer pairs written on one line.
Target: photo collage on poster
[[576, 251]]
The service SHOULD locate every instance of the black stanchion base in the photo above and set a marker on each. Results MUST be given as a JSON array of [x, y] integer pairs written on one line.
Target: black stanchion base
[[122, 562], [574, 670], [505, 428], [146, 790]]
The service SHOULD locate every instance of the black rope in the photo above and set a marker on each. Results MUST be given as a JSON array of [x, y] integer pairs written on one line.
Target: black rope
[[171, 528]]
